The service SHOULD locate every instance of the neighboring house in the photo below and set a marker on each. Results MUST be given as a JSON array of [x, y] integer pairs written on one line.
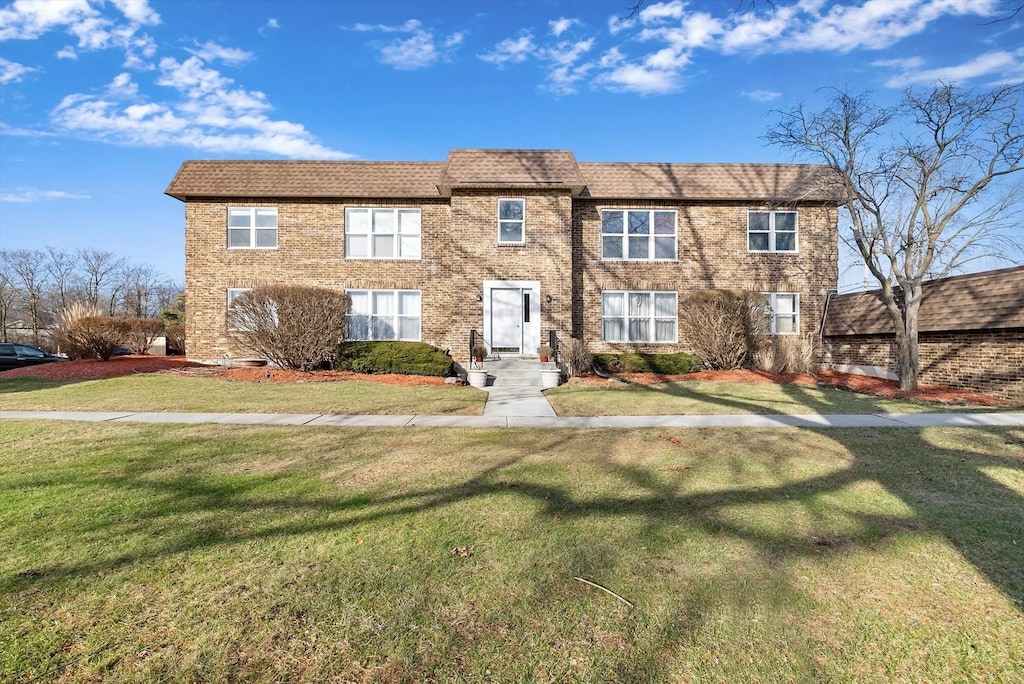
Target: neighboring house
[[509, 243], [970, 333]]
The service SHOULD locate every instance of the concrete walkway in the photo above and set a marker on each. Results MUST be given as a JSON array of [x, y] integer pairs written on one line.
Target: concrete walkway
[[909, 420], [517, 401]]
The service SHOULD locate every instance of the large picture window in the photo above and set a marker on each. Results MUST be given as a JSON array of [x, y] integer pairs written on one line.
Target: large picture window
[[639, 316], [384, 315], [382, 233], [785, 312], [511, 221], [252, 227], [638, 234], [771, 231]]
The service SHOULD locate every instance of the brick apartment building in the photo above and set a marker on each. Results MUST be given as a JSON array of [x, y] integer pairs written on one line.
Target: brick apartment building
[[509, 243]]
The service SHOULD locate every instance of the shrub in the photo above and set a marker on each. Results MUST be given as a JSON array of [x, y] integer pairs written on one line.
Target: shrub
[[72, 313], [294, 326], [576, 357], [142, 332], [96, 337], [789, 354], [175, 338], [405, 358], [726, 328], [663, 364]]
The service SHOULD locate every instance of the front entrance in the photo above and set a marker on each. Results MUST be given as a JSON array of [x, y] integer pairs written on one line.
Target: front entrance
[[512, 316]]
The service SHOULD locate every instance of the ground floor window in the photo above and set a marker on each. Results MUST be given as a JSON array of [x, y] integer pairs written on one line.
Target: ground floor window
[[638, 316], [384, 315], [233, 293], [784, 308]]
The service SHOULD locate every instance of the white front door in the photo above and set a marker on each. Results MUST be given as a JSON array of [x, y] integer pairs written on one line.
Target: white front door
[[512, 316]]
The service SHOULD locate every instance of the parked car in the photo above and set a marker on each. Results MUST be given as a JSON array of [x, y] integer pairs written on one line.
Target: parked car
[[19, 355]]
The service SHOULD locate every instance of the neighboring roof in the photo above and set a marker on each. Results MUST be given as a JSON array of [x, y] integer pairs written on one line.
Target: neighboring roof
[[498, 169], [518, 168], [780, 182], [991, 300], [320, 179]]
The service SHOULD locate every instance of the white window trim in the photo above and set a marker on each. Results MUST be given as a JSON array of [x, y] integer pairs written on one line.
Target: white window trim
[[771, 231], [653, 318], [395, 317], [232, 292], [521, 200], [396, 241], [252, 227], [650, 237], [771, 297]]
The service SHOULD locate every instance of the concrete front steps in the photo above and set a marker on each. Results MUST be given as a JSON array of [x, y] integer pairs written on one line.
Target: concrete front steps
[[522, 371]]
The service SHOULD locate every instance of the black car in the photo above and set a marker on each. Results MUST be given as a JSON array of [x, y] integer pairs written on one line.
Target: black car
[[18, 355]]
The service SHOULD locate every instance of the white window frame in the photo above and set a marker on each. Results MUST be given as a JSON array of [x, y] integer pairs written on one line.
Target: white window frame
[[772, 298], [232, 293], [521, 222], [771, 232], [652, 236], [398, 252], [395, 318], [652, 318], [252, 228]]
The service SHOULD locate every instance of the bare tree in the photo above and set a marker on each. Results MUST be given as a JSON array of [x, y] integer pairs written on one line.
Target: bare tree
[[138, 287], [99, 272], [925, 183], [61, 269], [8, 295], [28, 270]]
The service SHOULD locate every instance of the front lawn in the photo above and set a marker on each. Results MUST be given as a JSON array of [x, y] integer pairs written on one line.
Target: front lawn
[[158, 392], [684, 397], [238, 553]]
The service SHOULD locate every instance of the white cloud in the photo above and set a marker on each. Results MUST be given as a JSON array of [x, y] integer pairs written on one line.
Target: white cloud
[[640, 79], [27, 195], [561, 25], [210, 51], [512, 50], [12, 72], [67, 52], [138, 11], [1007, 66], [207, 113], [762, 95], [421, 49], [272, 23], [657, 13]]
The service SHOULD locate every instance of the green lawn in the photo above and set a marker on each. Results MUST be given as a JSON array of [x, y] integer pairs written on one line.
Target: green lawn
[[237, 553], [159, 392], [704, 397]]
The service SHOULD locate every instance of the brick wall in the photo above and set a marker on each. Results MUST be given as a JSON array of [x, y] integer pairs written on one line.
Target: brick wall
[[460, 251], [712, 254], [983, 361]]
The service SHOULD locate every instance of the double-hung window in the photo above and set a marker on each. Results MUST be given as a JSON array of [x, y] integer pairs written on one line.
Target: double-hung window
[[384, 315], [784, 308], [511, 221], [638, 234], [382, 233], [771, 231], [252, 227], [638, 316], [233, 293]]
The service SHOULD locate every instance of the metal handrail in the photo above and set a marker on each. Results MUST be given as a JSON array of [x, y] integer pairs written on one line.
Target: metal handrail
[[554, 344]]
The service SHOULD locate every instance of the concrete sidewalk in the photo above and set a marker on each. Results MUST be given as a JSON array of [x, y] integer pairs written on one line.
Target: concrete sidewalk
[[872, 420]]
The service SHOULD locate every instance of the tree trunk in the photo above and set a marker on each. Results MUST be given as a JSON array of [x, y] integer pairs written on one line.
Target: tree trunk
[[909, 349]]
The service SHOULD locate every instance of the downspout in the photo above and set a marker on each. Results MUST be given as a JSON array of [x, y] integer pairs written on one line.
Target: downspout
[[824, 315]]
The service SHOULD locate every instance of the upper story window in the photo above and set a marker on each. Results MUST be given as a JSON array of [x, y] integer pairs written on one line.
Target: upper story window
[[252, 227], [382, 233], [639, 316], [785, 312], [771, 231], [511, 221], [638, 234], [384, 315]]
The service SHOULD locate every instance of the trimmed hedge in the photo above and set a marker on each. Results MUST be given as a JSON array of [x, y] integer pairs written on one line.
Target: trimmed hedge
[[663, 364], [403, 358]]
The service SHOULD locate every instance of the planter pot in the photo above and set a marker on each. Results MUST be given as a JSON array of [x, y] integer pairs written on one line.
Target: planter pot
[[543, 359], [550, 378], [477, 378]]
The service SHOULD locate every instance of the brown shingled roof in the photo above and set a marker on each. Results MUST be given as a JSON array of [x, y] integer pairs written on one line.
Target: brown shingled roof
[[519, 168], [283, 178], [779, 182], [991, 300]]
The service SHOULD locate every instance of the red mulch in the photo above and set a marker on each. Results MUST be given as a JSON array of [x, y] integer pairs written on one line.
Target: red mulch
[[128, 365]]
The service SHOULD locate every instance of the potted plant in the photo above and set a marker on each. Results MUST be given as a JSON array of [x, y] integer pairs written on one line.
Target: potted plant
[[479, 352], [545, 352]]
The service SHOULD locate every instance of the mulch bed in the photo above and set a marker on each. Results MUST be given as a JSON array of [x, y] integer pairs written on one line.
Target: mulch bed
[[129, 365]]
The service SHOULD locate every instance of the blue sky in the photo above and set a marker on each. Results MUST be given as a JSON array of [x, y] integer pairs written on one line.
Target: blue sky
[[101, 101]]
